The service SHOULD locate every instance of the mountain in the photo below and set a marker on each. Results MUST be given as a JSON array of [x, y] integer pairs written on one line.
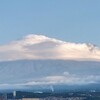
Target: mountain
[[23, 74], [42, 47], [39, 62]]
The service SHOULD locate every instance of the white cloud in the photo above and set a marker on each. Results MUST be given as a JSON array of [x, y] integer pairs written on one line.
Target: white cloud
[[42, 47], [67, 78]]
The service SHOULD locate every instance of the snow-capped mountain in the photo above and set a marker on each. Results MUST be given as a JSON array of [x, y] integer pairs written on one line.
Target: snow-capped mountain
[[42, 47], [39, 60]]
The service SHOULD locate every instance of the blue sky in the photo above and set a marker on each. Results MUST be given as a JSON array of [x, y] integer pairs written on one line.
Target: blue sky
[[69, 20]]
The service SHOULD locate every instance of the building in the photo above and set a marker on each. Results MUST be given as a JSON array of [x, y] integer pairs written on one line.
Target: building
[[30, 99]]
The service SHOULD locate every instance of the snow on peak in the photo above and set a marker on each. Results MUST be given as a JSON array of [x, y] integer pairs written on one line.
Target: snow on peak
[[31, 36], [34, 39], [42, 47]]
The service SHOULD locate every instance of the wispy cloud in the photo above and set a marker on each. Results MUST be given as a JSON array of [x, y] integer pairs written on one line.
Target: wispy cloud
[[67, 78], [42, 47]]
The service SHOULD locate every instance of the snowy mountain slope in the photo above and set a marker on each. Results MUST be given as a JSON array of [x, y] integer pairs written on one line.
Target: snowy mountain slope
[[42, 47]]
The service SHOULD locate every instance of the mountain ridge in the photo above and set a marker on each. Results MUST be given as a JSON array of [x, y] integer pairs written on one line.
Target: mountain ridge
[[42, 47]]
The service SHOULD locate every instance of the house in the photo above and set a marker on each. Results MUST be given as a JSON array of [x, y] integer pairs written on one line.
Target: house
[[30, 99]]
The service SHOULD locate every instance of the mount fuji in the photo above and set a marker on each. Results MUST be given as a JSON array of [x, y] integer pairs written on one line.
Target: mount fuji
[[36, 61]]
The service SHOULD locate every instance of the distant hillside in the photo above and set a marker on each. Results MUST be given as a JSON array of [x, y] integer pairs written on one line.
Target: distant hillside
[[26, 73]]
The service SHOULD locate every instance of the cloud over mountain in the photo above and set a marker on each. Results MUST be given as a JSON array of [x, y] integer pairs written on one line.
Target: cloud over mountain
[[42, 47], [70, 79]]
